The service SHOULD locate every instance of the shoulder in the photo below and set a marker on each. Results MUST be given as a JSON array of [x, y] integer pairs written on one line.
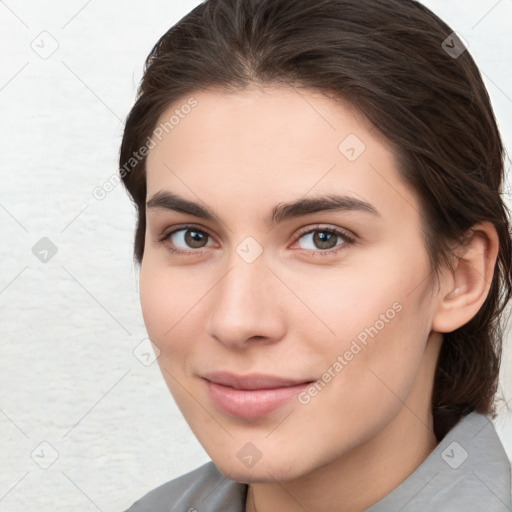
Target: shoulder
[[469, 470], [204, 489]]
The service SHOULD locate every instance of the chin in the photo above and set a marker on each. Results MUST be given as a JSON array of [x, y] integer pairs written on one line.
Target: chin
[[270, 470]]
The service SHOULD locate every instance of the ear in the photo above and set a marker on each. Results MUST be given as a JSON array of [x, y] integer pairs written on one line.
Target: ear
[[465, 287]]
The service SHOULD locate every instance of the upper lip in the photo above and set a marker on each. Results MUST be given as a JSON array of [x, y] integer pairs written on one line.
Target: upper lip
[[251, 381]]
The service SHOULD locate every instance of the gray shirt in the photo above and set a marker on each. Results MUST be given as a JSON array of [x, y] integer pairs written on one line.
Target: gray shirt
[[468, 471]]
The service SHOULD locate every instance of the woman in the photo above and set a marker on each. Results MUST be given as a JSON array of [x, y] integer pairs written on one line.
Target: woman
[[325, 256]]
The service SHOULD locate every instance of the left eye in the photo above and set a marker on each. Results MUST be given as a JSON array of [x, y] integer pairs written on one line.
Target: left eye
[[324, 239]]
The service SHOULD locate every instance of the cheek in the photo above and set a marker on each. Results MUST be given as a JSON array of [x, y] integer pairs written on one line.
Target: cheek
[[378, 319], [365, 294], [165, 298], [167, 308], [155, 301]]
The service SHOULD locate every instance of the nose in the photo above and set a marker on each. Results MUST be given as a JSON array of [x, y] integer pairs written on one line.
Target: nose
[[245, 305]]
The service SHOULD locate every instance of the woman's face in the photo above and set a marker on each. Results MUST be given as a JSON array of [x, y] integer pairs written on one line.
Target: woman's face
[[289, 335]]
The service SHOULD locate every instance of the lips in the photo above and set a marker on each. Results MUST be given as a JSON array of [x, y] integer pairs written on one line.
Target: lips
[[251, 396]]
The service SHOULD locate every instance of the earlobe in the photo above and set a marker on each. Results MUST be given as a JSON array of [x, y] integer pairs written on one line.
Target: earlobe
[[465, 287]]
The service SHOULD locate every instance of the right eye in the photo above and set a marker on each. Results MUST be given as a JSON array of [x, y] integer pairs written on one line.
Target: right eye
[[185, 240]]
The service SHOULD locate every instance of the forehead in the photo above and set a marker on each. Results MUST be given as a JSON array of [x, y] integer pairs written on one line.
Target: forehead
[[270, 123], [273, 142]]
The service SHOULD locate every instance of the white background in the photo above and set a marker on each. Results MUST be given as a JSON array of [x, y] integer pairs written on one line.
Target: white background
[[68, 375]]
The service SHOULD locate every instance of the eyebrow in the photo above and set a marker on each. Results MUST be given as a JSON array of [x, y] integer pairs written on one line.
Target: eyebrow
[[165, 200]]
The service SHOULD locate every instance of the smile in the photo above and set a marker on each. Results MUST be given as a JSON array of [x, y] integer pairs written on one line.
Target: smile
[[253, 396]]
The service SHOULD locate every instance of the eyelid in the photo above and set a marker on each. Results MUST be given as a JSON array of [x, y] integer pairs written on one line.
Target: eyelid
[[180, 227], [327, 227]]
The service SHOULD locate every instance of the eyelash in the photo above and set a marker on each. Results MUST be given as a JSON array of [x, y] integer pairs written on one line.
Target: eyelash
[[347, 240]]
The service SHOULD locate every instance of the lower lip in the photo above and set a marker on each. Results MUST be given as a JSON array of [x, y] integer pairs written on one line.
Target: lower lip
[[250, 403]]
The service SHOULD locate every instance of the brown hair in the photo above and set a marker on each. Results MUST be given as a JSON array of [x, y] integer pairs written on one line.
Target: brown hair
[[387, 58]]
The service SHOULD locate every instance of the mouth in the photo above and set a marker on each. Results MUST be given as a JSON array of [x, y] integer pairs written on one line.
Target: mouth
[[251, 396]]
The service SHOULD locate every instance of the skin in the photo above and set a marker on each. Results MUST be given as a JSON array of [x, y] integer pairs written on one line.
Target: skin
[[292, 311]]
